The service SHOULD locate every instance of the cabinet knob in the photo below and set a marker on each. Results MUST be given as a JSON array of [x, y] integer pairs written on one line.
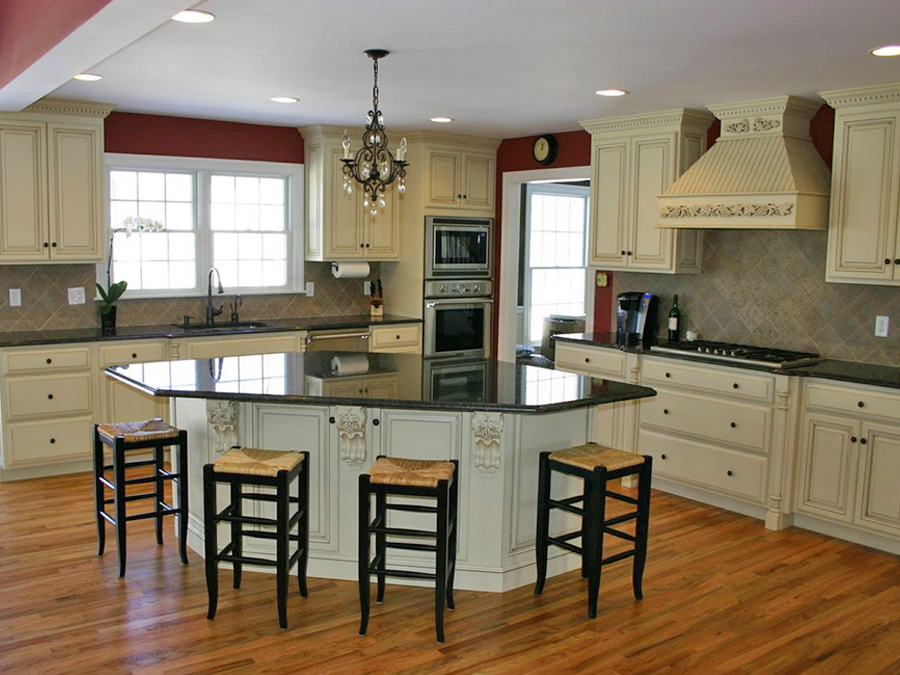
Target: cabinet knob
[[668, 374], [665, 411], [398, 337], [53, 244], [629, 253], [863, 441], [623, 252], [860, 404], [887, 261], [367, 246], [736, 386], [331, 420], [465, 196], [52, 441], [134, 355], [361, 244], [50, 397], [587, 360], [459, 196], [46, 245], [897, 261], [49, 360], [733, 425], [853, 439], [662, 456], [376, 422], [730, 473]]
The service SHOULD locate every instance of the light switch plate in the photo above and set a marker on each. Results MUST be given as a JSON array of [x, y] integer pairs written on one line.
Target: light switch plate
[[15, 297], [76, 295], [367, 288], [310, 289], [882, 326]]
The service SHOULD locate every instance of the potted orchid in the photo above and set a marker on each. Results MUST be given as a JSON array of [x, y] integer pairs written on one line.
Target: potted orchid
[[114, 291]]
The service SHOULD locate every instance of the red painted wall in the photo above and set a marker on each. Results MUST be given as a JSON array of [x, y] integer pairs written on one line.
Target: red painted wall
[[187, 137], [31, 28]]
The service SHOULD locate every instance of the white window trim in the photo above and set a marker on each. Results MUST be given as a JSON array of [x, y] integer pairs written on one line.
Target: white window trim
[[294, 174]]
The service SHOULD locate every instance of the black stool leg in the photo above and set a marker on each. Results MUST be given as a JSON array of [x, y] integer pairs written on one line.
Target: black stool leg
[[381, 543], [119, 497], [182, 479], [160, 491], [211, 545], [543, 521], [593, 547], [586, 499], [237, 539], [283, 555], [363, 558], [642, 527], [453, 536], [303, 525], [99, 495], [440, 582]]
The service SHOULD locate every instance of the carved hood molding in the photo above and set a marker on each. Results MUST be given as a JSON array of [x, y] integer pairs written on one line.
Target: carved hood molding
[[763, 172]]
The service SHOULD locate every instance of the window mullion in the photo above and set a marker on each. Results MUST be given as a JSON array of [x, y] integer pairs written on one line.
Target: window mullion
[[204, 233]]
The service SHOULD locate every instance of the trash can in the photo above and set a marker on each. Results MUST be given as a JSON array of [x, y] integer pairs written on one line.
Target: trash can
[[556, 324]]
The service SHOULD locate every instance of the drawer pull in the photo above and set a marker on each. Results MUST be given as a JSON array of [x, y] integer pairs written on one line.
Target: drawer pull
[[376, 422], [331, 420], [863, 441], [398, 337], [853, 439], [587, 360], [665, 411], [668, 374], [662, 456], [52, 441], [730, 473], [736, 385], [50, 396], [134, 356], [49, 360], [861, 404], [734, 425]]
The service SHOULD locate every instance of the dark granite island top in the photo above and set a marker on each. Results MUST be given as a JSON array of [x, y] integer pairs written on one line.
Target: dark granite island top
[[382, 380]]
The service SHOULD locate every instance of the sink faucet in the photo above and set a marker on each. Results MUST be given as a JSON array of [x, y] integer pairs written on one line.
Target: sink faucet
[[212, 312]]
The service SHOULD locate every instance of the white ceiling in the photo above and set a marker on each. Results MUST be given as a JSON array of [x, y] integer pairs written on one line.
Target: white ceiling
[[502, 68]]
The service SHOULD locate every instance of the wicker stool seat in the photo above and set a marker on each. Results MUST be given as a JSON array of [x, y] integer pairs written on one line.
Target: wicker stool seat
[[394, 476], [125, 437], [241, 467], [596, 465]]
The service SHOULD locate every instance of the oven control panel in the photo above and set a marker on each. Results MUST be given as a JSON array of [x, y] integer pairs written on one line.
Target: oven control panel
[[459, 288]]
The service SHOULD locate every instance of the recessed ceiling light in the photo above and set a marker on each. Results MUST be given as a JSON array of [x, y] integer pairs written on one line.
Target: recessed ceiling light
[[193, 16], [285, 99], [611, 92], [442, 120], [887, 50], [87, 77]]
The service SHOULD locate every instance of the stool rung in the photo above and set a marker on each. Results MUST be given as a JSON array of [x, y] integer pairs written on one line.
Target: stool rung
[[564, 544], [153, 514], [142, 495], [108, 518], [617, 557], [410, 546], [249, 560], [145, 479], [128, 465], [108, 483], [401, 532], [403, 574], [620, 519], [247, 520], [572, 500], [562, 505], [264, 534], [263, 497], [619, 534], [415, 508], [621, 497]]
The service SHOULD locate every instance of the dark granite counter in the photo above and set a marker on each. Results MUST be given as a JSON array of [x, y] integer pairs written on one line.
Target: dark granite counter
[[395, 380], [829, 369], [30, 338]]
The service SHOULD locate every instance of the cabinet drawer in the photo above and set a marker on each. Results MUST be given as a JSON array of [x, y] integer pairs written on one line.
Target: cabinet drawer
[[712, 379], [134, 352], [45, 360], [33, 443], [688, 462], [741, 424], [854, 401], [598, 361], [393, 337], [42, 396]]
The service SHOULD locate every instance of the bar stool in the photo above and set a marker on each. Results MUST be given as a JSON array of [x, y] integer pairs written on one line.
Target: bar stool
[[241, 467], [125, 437], [394, 476], [596, 465]]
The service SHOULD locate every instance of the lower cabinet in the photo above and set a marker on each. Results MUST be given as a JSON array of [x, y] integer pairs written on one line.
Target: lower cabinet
[[119, 402], [396, 339]]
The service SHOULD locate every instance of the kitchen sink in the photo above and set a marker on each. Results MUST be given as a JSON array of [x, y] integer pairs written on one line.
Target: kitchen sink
[[228, 326]]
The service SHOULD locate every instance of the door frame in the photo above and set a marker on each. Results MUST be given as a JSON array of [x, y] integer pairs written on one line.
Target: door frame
[[509, 252]]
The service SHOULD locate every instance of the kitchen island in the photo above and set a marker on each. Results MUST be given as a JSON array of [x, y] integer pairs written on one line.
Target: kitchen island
[[345, 409]]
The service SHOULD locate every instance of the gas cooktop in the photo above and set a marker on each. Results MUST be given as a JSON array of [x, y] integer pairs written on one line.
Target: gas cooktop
[[724, 351]]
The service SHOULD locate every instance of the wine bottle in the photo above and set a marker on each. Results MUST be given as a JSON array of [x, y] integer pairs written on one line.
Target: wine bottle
[[674, 321]]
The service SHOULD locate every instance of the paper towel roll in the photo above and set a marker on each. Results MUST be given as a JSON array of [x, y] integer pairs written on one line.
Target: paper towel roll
[[349, 364], [350, 269]]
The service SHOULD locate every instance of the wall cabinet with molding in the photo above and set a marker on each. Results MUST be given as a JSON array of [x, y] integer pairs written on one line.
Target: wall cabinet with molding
[[864, 229], [634, 159], [338, 227], [459, 179], [51, 183]]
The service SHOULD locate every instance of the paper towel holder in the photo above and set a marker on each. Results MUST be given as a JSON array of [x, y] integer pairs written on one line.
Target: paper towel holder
[[350, 269]]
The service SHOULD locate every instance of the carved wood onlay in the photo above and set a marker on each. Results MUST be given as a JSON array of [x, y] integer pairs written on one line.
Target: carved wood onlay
[[727, 210], [224, 417], [759, 125], [351, 426], [487, 430]]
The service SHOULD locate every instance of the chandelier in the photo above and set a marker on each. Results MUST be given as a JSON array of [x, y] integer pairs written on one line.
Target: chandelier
[[373, 166]]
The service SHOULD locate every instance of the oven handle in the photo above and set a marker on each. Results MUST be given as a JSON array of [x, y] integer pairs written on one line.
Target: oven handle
[[461, 301]]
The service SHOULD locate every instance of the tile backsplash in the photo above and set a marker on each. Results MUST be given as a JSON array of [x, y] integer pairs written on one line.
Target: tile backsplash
[[45, 301], [768, 288]]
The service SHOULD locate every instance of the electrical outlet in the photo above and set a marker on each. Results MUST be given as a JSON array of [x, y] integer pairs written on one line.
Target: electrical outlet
[[76, 295], [15, 297], [310, 289], [882, 326], [367, 288]]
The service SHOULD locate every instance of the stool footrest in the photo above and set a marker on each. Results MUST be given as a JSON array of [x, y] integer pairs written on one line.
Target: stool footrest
[[411, 546], [166, 511], [145, 479], [621, 519], [415, 508], [249, 560], [562, 543], [267, 534], [401, 531], [247, 520], [619, 534], [128, 465], [265, 497], [403, 574], [622, 498], [563, 505], [617, 557]]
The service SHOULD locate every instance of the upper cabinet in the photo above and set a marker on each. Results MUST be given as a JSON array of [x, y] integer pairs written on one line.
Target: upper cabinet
[[459, 178], [635, 159], [864, 233], [338, 227], [51, 183]]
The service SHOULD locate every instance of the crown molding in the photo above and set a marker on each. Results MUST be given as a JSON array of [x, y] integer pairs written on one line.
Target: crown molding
[[842, 98], [52, 106], [675, 117], [778, 105]]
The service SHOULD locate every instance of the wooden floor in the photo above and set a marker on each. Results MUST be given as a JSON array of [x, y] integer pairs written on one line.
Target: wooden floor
[[721, 595]]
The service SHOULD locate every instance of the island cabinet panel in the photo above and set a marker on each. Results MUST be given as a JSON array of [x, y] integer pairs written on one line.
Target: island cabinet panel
[[118, 401]]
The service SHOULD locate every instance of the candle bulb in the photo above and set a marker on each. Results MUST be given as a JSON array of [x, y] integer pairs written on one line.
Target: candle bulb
[[345, 142], [401, 151]]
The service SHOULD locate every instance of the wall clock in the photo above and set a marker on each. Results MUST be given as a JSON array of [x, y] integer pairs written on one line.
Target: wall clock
[[544, 149]]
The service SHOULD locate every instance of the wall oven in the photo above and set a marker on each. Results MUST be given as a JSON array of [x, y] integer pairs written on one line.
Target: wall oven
[[457, 318], [459, 247]]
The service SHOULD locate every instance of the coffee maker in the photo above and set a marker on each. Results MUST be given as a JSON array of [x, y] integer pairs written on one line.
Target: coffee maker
[[636, 322]]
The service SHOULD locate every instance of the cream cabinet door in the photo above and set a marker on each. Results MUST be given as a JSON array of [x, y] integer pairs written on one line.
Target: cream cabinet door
[[609, 195], [478, 181], [343, 219], [120, 402], [443, 178], [862, 237], [827, 471], [23, 216], [382, 231], [879, 486], [75, 172], [652, 172]]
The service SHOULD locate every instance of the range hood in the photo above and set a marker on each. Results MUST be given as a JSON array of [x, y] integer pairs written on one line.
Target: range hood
[[763, 172]]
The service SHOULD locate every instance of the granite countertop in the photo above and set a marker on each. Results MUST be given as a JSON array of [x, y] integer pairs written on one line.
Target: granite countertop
[[829, 369], [413, 382], [28, 338]]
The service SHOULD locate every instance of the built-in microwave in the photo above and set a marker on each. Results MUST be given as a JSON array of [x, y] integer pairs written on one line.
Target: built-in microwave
[[459, 247]]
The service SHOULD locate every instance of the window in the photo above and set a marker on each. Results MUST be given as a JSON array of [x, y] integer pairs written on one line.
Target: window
[[555, 254], [241, 217]]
